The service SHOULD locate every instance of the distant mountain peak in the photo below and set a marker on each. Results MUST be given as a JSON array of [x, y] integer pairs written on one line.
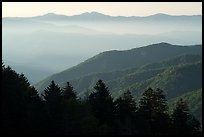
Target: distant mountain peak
[[93, 13], [50, 14], [162, 44], [160, 15]]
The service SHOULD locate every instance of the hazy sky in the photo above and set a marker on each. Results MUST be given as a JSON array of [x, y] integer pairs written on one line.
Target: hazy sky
[[25, 9]]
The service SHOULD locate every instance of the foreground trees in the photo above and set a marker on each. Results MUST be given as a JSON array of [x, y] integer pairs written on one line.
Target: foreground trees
[[54, 108], [126, 114], [102, 103], [183, 121], [153, 110], [60, 112], [21, 106], [103, 107]]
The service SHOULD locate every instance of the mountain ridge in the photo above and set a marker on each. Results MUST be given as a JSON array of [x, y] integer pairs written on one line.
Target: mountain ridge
[[98, 14], [116, 60]]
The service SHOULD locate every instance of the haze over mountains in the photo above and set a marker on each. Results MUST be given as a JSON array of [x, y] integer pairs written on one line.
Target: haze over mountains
[[42, 45], [114, 60], [175, 69]]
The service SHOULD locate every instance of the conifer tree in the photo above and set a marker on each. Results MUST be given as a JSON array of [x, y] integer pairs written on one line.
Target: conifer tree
[[125, 111], [102, 103], [183, 121], [54, 108], [68, 92], [126, 105], [21, 104], [154, 111], [53, 98], [71, 107]]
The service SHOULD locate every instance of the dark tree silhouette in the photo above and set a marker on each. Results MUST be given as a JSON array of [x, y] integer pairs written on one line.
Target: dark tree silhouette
[[126, 105], [68, 92], [21, 104], [71, 108], [102, 105], [153, 110], [183, 121], [54, 108], [125, 111], [23, 112]]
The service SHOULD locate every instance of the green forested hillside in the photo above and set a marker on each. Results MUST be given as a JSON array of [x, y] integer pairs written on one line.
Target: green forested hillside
[[117, 60], [174, 80], [194, 100], [137, 78], [177, 70], [177, 77]]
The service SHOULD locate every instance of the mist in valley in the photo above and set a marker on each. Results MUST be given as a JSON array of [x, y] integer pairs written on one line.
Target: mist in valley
[[43, 45]]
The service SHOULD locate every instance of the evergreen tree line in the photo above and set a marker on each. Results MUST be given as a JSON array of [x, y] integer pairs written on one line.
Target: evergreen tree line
[[60, 112]]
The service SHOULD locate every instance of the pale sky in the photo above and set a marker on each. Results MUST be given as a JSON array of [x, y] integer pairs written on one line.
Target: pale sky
[[27, 9]]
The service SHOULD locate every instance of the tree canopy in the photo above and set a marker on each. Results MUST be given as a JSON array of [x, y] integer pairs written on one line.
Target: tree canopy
[[59, 112]]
